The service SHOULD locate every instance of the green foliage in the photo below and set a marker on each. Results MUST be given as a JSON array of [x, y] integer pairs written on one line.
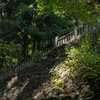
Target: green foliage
[[37, 55], [53, 71], [85, 58], [14, 89], [8, 54], [73, 7], [29, 26], [88, 95], [26, 13]]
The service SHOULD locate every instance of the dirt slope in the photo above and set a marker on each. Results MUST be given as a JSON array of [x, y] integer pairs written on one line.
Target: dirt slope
[[36, 82]]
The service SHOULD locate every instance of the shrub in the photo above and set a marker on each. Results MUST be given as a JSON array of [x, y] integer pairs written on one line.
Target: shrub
[[85, 58]]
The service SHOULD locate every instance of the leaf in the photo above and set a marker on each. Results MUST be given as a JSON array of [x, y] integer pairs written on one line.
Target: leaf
[[55, 80]]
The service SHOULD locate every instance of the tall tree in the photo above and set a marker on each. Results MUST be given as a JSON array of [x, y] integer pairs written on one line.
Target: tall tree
[[80, 9], [23, 22]]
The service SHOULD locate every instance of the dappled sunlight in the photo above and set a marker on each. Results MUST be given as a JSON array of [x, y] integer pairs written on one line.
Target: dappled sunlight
[[14, 91], [54, 76], [49, 48], [60, 83], [13, 80]]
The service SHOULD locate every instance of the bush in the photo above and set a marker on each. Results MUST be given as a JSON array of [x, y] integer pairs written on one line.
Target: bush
[[37, 55], [85, 58]]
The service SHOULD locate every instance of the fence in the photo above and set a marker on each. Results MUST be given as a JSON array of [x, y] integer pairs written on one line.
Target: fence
[[58, 41], [76, 33], [24, 64]]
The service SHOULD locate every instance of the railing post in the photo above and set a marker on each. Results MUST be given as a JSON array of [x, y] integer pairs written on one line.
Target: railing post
[[80, 23], [56, 40], [75, 32]]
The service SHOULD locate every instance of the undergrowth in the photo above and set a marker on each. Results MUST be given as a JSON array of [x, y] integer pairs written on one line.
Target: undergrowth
[[85, 59]]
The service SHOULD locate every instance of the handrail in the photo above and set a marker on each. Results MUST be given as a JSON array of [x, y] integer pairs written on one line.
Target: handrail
[[76, 33], [66, 35], [66, 38]]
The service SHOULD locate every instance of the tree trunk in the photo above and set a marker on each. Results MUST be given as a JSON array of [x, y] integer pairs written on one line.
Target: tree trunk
[[38, 44], [34, 44], [1, 61]]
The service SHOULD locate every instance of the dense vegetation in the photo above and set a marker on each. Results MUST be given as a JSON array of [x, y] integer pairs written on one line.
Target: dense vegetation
[[30, 25], [84, 60], [22, 23], [35, 26], [83, 64]]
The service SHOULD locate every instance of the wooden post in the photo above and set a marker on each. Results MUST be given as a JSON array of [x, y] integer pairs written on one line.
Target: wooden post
[[80, 23], [56, 40], [75, 32]]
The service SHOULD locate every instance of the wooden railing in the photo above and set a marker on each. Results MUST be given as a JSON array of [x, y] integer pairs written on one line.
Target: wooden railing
[[76, 33], [58, 41]]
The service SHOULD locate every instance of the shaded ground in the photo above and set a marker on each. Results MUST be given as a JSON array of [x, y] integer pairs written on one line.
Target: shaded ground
[[36, 82], [26, 81]]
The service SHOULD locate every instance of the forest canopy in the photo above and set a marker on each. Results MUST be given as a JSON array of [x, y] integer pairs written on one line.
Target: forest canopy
[[33, 24], [24, 23], [80, 9]]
